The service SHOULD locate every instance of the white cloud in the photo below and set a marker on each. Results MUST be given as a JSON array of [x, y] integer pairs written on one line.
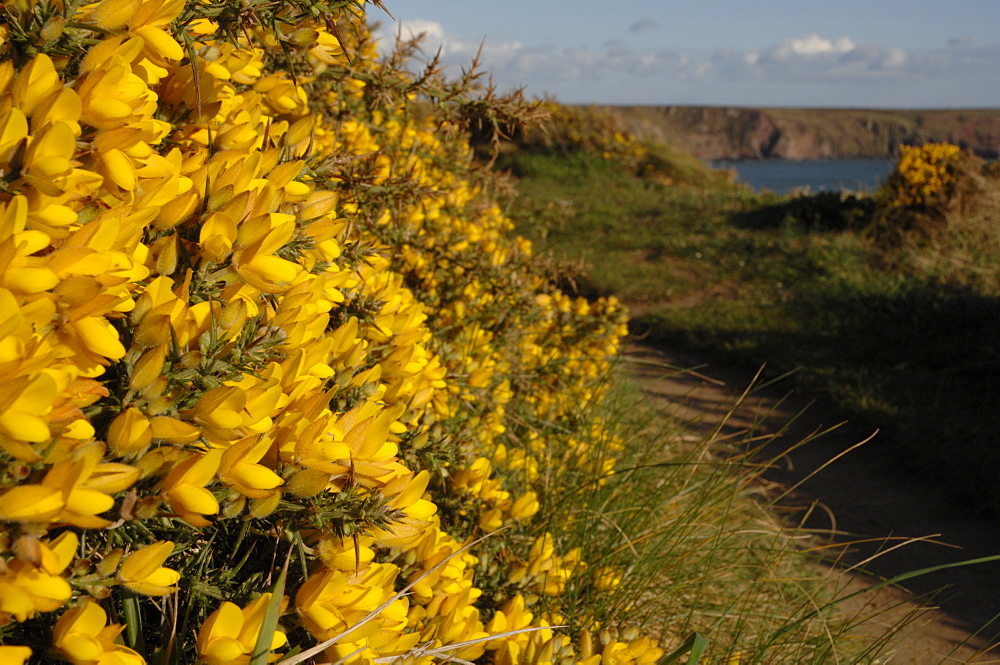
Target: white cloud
[[813, 58], [895, 58], [811, 45], [431, 31], [809, 61], [455, 50]]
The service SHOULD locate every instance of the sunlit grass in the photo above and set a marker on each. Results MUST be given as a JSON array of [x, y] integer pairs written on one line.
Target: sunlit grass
[[901, 336], [693, 528]]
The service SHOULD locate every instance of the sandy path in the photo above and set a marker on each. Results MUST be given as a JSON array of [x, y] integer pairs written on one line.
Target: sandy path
[[857, 496]]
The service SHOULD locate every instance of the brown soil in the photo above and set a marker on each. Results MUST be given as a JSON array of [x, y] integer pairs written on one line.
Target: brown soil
[[865, 508]]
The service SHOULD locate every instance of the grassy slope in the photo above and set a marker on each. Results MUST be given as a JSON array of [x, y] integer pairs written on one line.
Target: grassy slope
[[721, 270], [707, 554]]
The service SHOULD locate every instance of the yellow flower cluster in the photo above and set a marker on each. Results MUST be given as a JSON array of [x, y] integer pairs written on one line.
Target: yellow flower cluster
[[590, 130], [924, 175], [254, 303]]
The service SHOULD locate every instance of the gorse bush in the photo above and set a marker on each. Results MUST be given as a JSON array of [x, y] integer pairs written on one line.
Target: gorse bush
[[587, 132], [933, 188], [923, 175], [571, 128], [269, 355], [896, 335]]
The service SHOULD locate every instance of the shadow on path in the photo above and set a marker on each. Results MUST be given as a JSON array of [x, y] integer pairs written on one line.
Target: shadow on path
[[867, 507]]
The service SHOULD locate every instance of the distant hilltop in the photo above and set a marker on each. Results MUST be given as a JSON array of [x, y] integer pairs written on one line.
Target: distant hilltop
[[720, 133]]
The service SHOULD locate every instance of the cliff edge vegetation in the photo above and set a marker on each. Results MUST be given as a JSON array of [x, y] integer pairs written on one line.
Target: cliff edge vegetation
[[718, 133], [884, 304]]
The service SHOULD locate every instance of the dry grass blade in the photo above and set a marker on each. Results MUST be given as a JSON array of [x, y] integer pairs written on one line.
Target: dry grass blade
[[346, 658], [826, 464], [890, 582], [442, 651], [673, 368]]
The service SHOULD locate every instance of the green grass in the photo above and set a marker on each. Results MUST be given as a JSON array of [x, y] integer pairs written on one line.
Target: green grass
[[701, 550], [902, 338]]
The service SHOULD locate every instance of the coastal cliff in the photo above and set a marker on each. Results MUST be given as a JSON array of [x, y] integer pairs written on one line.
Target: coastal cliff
[[718, 133]]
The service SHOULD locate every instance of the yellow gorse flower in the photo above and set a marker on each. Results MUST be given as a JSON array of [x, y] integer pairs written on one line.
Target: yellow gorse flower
[[184, 487], [31, 586], [230, 633], [82, 636], [923, 174], [252, 295], [72, 491], [143, 572], [15, 655]]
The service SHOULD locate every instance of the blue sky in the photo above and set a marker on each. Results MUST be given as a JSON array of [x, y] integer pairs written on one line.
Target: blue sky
[[846, 53]]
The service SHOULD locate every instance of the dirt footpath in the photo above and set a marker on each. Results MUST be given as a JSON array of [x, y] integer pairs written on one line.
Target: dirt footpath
[[855, 497]]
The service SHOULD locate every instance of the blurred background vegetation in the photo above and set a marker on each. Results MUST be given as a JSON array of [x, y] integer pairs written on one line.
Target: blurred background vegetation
[[884, 302]]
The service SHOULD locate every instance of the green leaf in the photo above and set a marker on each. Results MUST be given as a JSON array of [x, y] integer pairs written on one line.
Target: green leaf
[[695, 646], [133, 622], [262, 649]]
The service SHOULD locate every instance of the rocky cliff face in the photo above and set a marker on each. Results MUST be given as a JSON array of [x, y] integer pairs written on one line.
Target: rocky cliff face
[[717, 133]]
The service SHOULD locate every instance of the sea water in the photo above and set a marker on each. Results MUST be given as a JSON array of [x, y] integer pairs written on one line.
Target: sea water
[[783, 176]]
